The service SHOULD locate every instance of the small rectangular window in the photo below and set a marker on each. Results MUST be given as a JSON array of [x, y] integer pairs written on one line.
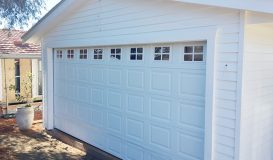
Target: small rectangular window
[[83, 54], [59, 54], [17, 77], [162, 53], [136, 54], [194, 53], [70, 54], [98, 53], [116, 54]]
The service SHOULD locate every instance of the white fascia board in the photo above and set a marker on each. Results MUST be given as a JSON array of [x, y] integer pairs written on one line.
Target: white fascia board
[[250, 5]]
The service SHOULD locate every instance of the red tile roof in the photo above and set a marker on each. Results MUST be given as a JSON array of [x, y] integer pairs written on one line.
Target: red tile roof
[[11, 43]]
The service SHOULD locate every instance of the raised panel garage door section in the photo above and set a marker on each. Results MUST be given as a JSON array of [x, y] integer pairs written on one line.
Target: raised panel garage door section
[[136, 102]]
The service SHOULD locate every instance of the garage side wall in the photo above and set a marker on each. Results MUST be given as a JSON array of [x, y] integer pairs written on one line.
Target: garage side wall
[[257, 109], [119, 22]]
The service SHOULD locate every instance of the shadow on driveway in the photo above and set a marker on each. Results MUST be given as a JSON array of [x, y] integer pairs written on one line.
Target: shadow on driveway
[[34, 144]]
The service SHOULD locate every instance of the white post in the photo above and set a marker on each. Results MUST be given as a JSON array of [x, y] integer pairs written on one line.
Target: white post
[[48, 110], [50, 89], [35, 68]]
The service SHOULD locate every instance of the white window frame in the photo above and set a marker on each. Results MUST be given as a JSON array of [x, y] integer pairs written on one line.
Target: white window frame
[[136, 54], [113, 56], [59, 54], [83, 54], [70, 55], [161, 54], [98, 55], [193, 53]]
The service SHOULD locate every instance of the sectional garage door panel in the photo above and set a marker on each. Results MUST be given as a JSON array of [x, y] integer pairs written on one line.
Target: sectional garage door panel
[[134, 109]]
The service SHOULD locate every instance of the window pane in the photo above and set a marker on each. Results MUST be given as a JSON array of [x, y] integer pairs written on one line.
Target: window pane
[[99, 56], [198, 57], [118, 57], [198, 49], [133, 50], [133, 57], [188, 57], [95, 56], [139, 57], [81, 51], [188, 49], [95, 51], [157, 57], [40, 79], [17, 85], [118, 50], [139, 50], [157, 49], [17, 67], [113, 51], [166, 49], [165, 57], [100, 51]]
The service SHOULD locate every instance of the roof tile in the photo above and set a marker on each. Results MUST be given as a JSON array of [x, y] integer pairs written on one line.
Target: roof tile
[[11, 43]]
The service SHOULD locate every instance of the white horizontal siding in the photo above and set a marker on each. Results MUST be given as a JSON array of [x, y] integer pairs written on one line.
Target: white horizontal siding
[[115, 22], [257, 109]]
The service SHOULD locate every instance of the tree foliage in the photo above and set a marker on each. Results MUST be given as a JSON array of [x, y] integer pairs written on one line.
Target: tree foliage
[[19, 12]]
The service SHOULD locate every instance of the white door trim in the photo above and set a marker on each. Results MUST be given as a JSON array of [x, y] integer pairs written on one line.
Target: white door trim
[[50, 90], [200, 34], [210, 96]]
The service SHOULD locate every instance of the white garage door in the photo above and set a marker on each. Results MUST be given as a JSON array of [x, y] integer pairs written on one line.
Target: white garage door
[[135, 102]]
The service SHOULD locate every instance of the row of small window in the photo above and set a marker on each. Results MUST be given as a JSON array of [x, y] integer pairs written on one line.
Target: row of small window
[[191, 53]]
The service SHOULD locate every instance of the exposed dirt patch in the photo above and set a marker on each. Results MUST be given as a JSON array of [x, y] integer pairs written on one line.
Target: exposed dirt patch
[[32, 144]]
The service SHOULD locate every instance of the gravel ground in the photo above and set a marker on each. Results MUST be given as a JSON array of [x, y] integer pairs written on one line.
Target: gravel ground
[[34, 144]]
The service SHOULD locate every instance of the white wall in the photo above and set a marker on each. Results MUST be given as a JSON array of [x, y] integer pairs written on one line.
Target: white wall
[[114, 22], [257, 108]]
